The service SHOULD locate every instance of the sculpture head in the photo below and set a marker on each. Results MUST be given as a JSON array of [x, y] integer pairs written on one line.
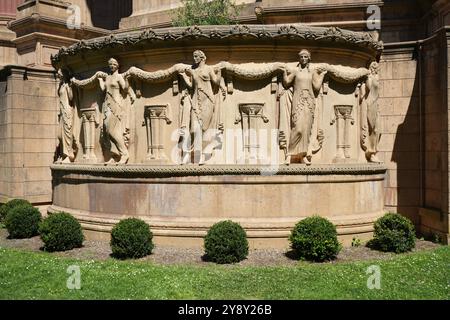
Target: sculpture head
[[199, 56], [113, 65], [62, 75], [304, 57], [373, 68]]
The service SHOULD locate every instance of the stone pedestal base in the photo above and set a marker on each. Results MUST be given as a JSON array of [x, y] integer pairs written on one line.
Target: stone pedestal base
[[181, 203]]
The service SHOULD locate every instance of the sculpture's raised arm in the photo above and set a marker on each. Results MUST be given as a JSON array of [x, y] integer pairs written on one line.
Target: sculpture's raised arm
[[342, 74], [90, 82], [252, 71], [156, 76]]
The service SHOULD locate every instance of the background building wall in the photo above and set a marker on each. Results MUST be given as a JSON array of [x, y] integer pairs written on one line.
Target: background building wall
[[27, 134]]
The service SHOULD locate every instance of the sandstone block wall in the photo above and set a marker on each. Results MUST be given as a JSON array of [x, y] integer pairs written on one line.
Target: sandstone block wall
[[400, 144], [27, 135]]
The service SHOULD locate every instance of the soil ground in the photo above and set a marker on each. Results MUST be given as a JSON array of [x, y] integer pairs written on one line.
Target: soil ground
[[100, 250]]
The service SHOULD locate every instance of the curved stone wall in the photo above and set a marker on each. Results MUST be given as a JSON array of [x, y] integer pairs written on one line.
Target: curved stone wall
[[184, 127]]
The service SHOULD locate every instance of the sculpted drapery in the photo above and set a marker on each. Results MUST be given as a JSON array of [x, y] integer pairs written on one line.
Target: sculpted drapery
[[66, 118]]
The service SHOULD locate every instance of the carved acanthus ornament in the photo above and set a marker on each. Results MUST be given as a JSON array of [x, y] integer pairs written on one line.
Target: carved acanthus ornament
[[238, 33]]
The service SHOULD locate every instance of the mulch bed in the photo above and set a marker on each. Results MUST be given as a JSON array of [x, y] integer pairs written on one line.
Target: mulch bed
[[100, 250]]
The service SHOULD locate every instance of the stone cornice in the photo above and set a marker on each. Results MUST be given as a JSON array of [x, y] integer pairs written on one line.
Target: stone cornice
[[24, 71], [37, 18], [236, 32], [140, 170], [55, 3], [320, 7], [39, 36]]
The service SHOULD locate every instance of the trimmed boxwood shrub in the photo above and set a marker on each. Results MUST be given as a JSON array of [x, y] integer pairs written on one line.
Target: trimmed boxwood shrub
[[131, 238], [4, 209], [23, 222], [226, 242], [60, 232], [315, 238], [393, 233]]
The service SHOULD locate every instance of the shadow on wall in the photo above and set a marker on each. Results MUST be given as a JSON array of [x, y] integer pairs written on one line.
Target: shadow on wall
[[107, 14], [406, 153]]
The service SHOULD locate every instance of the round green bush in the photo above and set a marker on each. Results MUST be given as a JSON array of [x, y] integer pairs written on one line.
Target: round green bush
[[226, 242], [131, 238], [60, 232], [394, 233], [315, 238], [4, 209], [23, 222]]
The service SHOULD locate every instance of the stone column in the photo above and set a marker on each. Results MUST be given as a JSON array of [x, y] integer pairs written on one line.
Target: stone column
[[250, 114], [89, 122], [154, 117], [343, 121]]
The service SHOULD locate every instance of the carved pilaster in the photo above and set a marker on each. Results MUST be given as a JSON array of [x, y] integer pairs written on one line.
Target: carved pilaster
[[89, 122], [343, 120], [155, 116], [249, 116]]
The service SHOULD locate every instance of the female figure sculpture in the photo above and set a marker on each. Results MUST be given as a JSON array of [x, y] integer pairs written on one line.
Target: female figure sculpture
[[200, 107], [115, 126], [369, 93], [65, 118], [306, 84]]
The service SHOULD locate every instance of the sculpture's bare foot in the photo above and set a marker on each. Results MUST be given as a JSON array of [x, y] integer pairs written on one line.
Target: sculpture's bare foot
[[287, 160], [124, 159], [185, 159], [307, 160], [374, 158], [66, 160], [111, 161]]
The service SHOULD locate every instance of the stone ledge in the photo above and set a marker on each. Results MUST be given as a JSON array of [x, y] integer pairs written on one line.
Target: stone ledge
[[196, 170]]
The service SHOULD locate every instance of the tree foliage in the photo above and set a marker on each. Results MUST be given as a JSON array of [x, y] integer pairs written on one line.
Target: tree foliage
[[206, 12]]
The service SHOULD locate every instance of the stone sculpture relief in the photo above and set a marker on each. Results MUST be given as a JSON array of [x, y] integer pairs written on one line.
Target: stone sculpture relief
[[116, 127], [306, 83], [118, 99], [204, 94], [369, 92], [200, 108], [66, 116]]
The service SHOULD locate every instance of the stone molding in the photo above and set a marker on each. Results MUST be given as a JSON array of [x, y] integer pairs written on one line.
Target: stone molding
[[236, 32], [36, 18], [214, 170]]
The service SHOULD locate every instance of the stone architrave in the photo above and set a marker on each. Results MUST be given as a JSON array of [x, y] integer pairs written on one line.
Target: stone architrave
[[155, 117]]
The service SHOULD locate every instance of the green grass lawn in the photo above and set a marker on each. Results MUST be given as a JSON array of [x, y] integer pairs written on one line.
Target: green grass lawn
[[28, 275]]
